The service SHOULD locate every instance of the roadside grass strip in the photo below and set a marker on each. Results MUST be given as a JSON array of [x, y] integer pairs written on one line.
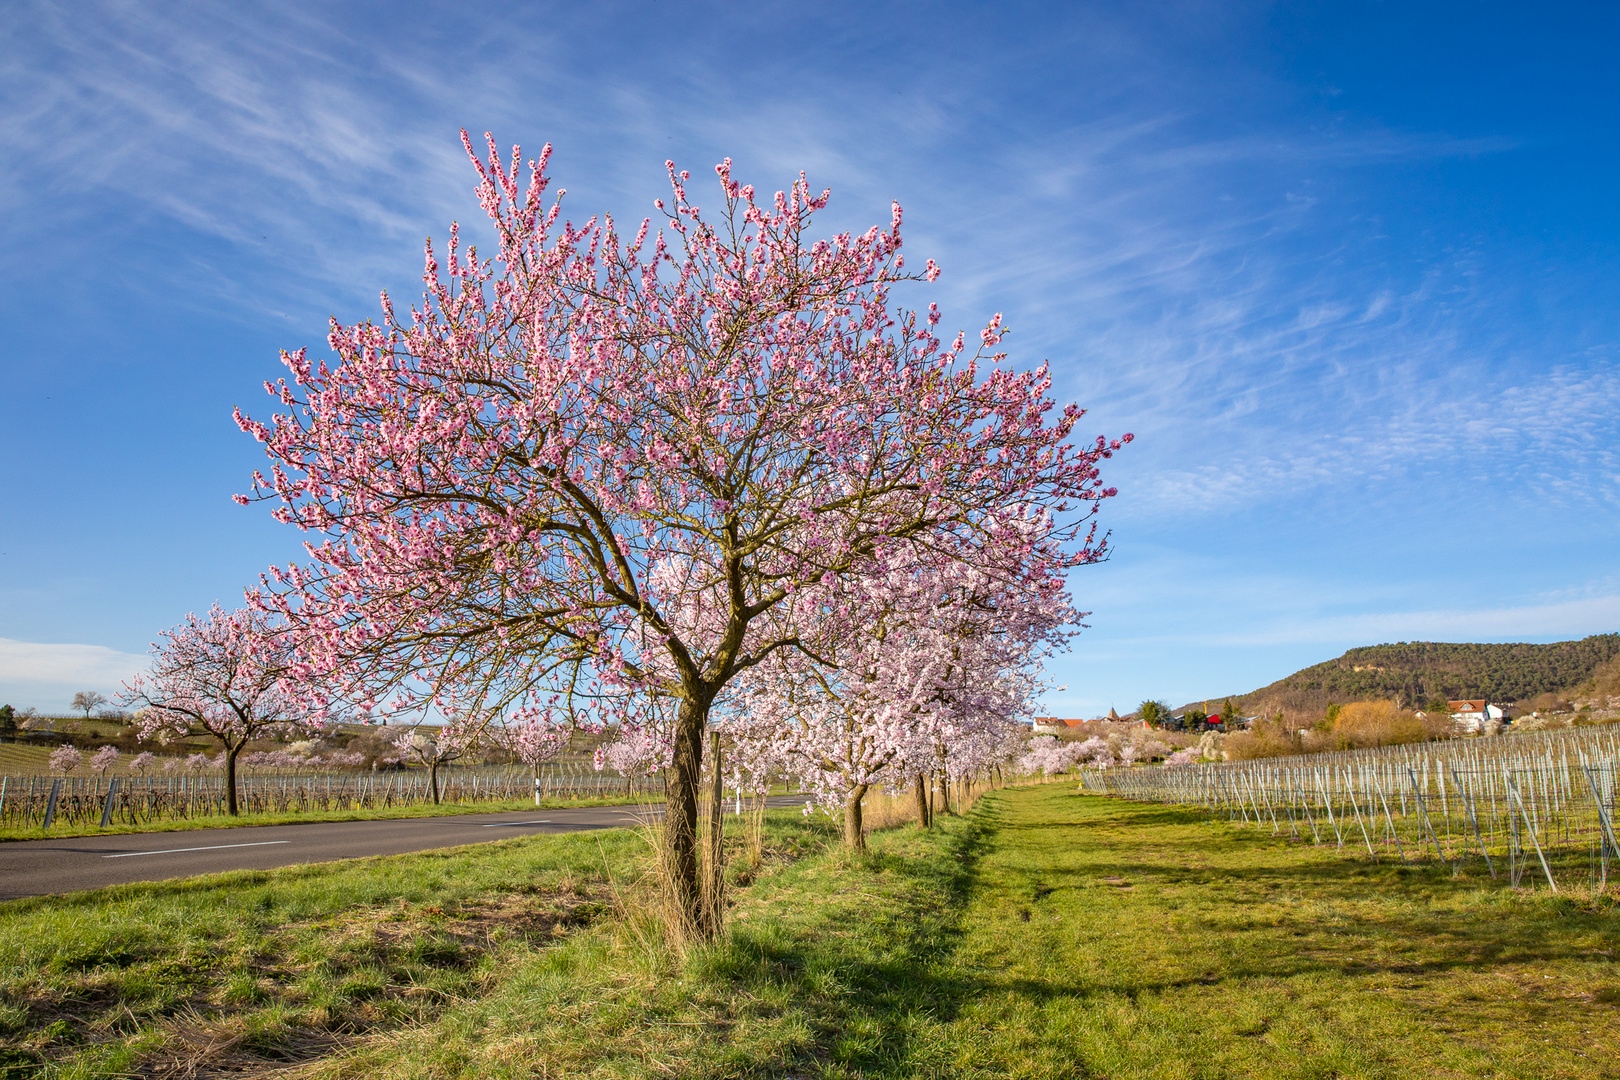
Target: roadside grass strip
[[1046, 934]]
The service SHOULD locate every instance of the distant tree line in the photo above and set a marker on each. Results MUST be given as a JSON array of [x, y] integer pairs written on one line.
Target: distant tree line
[[1193, 719], [1425, 674]]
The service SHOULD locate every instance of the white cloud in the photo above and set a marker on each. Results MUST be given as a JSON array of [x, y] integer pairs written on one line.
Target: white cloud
[[79, 667]]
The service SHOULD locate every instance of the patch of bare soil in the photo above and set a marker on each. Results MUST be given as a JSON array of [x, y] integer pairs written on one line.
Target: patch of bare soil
[[208, 1039]]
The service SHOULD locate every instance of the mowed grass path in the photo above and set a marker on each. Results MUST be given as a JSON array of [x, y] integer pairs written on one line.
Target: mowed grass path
[[1046, 934]]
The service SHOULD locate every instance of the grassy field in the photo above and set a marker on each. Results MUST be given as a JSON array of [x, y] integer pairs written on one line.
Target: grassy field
[[1047, 934]]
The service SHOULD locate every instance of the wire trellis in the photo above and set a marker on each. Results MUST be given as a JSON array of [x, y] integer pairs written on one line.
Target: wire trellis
[[44, 801], [1531, 809]]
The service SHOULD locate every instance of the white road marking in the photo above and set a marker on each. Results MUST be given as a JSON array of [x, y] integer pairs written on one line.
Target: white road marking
[[214, 847], [508, 824]]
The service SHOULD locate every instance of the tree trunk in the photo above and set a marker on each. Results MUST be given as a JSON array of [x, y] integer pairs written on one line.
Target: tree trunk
[[920, 793], [231, 806], [680, 817], [433, 780], [854, 835]]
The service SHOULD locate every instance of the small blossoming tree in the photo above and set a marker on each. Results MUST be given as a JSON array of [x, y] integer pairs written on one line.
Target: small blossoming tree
[[532, 742], [436, 746], [221, 674], [65, 759], [930, 663]]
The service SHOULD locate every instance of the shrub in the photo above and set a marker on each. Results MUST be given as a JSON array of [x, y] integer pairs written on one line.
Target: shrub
[[1264, 738], [1383, 723]]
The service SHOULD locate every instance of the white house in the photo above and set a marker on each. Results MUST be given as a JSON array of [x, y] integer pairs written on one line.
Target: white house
[[1474, 715]]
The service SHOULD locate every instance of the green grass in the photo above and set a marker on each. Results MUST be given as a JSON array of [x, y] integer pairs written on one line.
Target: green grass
[[299, 817], [1045, 935], [271, 965]]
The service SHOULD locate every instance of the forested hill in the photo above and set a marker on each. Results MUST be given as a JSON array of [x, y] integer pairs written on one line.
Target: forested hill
[[1415, 672]]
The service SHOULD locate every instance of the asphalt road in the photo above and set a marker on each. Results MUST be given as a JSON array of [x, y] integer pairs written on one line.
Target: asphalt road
[[42, 867]]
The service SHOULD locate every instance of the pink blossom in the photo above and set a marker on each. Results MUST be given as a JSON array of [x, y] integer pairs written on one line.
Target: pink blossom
[[103, 759]]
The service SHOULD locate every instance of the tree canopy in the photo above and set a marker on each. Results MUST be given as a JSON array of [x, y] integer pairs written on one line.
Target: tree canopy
[[597, 467]]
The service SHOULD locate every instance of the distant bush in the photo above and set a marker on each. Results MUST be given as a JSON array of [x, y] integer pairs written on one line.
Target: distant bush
[[1265, 738], [1383, 723]]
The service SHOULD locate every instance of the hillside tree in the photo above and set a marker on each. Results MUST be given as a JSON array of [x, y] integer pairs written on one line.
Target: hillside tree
[[88, 701]]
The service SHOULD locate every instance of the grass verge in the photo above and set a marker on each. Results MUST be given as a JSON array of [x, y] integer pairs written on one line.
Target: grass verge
[[1047, 934]]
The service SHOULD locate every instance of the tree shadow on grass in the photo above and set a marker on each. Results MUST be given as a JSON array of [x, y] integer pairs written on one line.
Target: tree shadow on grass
[[867, 991], [1287, 910], [874, 989]]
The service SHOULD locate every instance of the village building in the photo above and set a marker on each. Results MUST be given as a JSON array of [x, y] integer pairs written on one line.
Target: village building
[[1474, 715]]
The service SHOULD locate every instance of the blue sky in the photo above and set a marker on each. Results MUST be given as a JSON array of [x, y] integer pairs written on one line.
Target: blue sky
[[1348, 271]]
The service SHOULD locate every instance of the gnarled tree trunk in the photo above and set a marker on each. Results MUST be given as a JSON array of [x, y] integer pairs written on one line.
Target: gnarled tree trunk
[[680, 853], [920, 794], [854, 834]]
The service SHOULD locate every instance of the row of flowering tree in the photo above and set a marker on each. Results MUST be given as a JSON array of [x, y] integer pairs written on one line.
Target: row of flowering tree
[[601, 468], [937, 663]]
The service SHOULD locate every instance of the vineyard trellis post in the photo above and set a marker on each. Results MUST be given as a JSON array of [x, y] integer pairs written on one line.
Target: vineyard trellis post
[[1350, 791], [1423, 809], [1473, 819], [1513, 791], [1605, 820], [106, 807], [1327, 803], [1387, 818], [50, 806]]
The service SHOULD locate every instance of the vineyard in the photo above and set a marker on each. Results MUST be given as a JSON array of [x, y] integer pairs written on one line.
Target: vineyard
[[132, 800], [1536, 809]]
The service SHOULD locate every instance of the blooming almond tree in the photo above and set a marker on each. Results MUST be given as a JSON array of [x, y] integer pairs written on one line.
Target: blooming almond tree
[[104, 759], [533, 741], [433, 747], [64, 759], [926, 662], [520, 481], [222, 675]]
